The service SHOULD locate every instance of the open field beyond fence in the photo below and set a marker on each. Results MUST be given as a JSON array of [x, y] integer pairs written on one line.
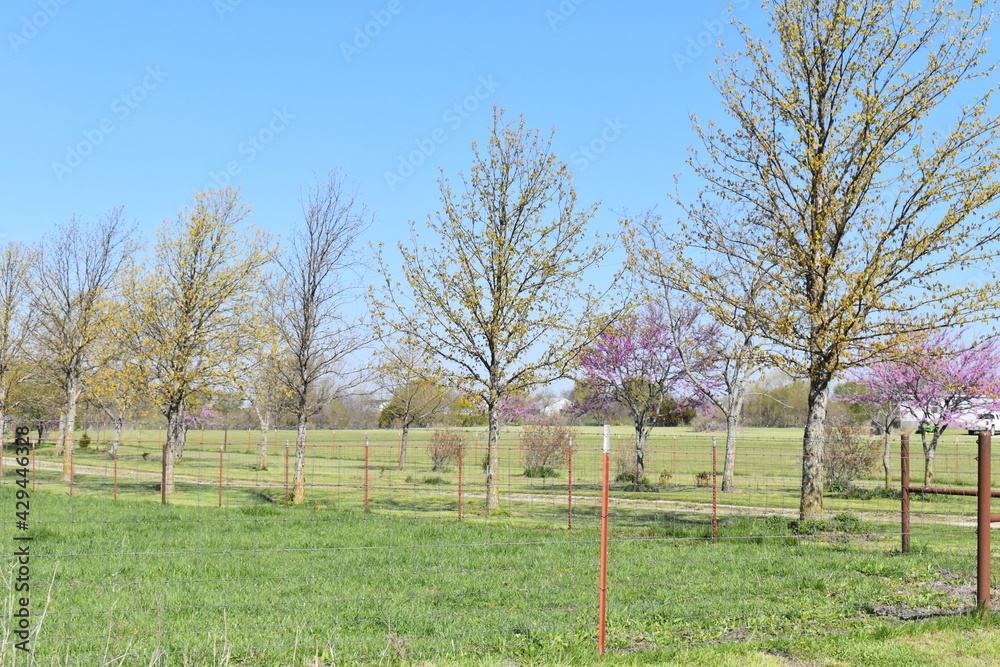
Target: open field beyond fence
[[249, 581]]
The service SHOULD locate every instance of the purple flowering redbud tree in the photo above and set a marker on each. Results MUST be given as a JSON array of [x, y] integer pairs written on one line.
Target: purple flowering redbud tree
[[939, 381], [637, 365]]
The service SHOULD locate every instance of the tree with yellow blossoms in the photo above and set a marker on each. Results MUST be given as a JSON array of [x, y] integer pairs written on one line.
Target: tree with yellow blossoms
[[843, 178], [495, 297], [190, 315]]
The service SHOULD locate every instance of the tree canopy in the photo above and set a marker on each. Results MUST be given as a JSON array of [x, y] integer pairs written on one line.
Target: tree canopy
[[845, 181]]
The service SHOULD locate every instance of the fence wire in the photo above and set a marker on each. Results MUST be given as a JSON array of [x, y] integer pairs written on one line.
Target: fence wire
[[384, 561]]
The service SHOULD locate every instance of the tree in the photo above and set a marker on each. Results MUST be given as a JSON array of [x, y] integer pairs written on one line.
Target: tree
[[637, 364], [827, 184], [73, 301], [190, 317], [415, 396], [318, 280], [116, 389], [15, 294], [720, 287], [777, 400], [261, 382], [939, 380], [496, 300]]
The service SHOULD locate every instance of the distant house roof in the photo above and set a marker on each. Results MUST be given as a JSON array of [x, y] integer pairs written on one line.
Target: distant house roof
[[556, 407]]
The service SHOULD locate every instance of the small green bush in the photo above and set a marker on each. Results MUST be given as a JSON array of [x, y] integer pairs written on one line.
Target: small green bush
[[435, 480], [84, 441], [630, 478], [540, 472]]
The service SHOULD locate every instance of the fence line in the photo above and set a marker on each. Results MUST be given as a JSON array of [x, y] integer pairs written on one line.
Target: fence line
[[382, 562]]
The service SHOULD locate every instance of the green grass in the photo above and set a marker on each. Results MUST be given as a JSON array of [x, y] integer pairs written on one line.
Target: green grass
[[253, 582], [262, 584]]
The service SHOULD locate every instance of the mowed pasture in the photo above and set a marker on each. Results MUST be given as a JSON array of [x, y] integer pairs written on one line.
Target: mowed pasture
[[253, 582]]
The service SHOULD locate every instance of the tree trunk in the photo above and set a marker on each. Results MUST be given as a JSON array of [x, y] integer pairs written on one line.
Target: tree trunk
[[66, 434], [403, 437], [930, 449], [60, 431], [119, 424], [299, 492], [811, 499], [729, 466], [641, 434], [175, 430], [265, 426], [493, 461]]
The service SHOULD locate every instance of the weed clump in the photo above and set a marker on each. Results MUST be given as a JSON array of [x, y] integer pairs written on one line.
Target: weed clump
[[545, 446], [444, 448]]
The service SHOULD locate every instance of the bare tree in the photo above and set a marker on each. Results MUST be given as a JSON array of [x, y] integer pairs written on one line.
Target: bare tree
[[15, 285], [319, 278], [261, 381], [74, 296], [721, 288]]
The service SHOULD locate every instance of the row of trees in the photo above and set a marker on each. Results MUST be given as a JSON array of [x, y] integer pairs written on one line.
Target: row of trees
[[215, 307], [821, 238]]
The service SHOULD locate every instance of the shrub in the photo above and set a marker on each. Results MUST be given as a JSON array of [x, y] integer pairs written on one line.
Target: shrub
[[84, 441], [665, 477], [703, 479], [545, 446], [849, 454], [708, 425], [434, 480], [630, 478], [444, 448], [625, 469]]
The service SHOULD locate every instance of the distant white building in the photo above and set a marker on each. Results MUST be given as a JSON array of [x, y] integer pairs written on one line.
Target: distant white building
[[557, 407], [911, 418]]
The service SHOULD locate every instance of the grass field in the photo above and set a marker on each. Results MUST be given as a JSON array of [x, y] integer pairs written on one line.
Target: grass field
[[255, 583]]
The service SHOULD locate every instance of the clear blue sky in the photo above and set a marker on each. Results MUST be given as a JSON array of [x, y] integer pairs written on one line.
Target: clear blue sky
[[141, 104]]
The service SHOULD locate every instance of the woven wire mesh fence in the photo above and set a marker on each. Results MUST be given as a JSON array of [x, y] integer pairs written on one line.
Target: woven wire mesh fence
[[384, 561]]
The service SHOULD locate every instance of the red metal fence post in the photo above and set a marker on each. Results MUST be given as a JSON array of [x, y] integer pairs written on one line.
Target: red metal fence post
[[983, 526], [904, 494], [71, 465], [603, 602], [675, 456], [116, 477]]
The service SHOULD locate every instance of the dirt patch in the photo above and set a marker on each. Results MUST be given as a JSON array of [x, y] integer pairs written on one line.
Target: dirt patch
[[954, 595], [788, 660]]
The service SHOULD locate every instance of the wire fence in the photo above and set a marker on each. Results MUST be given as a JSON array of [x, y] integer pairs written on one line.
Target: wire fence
[[383, 562]]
